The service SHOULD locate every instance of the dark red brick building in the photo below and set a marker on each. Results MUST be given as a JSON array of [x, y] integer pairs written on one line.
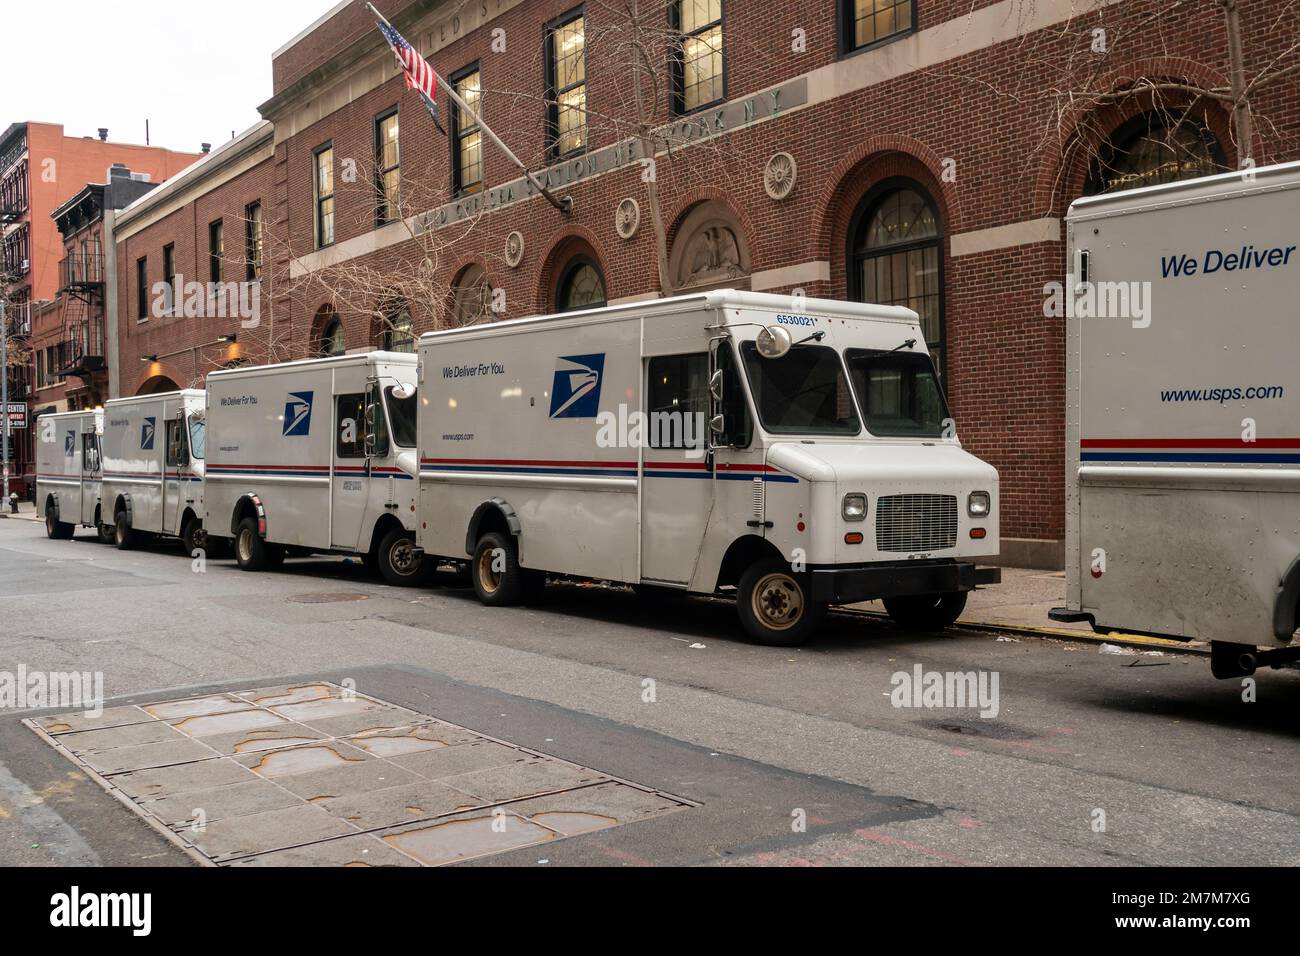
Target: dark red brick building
[[920, 152]]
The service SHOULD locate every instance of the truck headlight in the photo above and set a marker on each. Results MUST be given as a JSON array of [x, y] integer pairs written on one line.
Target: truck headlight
[[978, 504], [854, 507]]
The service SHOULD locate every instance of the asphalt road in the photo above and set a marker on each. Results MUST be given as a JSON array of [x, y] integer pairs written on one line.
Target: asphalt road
[[1182, 770]]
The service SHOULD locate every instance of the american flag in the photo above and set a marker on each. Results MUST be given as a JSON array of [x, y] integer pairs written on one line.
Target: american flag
[[419, 74]]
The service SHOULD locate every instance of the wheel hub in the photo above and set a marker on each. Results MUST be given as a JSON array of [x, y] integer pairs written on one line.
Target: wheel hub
[[487, 574], [778, 601], [402, 557]]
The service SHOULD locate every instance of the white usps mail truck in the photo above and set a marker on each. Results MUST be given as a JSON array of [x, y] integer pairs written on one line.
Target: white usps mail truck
[[795, 452], [316, 456], [69, 472], [153, 467], [1183, 414]]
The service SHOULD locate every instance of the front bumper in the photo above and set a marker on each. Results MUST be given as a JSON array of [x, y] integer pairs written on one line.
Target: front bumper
[[869, 582]]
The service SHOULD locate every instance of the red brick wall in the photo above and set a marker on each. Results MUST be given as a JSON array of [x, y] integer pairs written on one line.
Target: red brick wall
[[986, 111], [187, 348]]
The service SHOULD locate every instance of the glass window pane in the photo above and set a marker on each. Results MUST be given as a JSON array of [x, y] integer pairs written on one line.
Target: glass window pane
[[874, 20], [325, 172]]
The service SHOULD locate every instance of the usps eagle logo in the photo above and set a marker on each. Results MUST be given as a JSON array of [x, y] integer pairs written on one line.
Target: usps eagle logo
[[70, 444], [576, 390], [297, 414], [147, 429]]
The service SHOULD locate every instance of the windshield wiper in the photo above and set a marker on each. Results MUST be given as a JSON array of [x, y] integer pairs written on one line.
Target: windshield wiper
[[909, 344]]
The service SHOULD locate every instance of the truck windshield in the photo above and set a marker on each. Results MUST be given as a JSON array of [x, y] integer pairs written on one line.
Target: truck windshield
[[804, 392], [899, 392], [198, 434], [401, 412]]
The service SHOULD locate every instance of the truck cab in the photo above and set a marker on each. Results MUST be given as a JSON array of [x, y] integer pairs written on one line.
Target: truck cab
[[837, 473]]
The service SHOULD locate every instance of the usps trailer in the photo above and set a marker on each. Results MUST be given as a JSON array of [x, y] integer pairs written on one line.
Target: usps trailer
[[1183, 402], [316, 456], [69, 473], [153, 448], [797, 453]]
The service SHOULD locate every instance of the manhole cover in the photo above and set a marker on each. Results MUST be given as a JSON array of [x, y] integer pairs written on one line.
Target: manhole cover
[[328, 597], [319, 775]]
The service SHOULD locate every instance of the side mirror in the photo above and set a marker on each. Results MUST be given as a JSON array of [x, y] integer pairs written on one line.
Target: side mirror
[[717, 424], [403, 392], [715, 385], [368, 422], [773, 342]]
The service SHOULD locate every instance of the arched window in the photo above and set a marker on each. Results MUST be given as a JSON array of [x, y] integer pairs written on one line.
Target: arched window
[[896, 256], [331, 337], [581, 286], [472, 298], [395, 332], [1154, 148]]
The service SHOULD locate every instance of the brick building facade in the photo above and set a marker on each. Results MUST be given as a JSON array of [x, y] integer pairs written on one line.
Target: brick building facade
[[42, 169], [910, 152]]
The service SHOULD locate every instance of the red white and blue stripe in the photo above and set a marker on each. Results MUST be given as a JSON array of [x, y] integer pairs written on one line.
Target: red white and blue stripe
[[1204, 451], [603, 469]]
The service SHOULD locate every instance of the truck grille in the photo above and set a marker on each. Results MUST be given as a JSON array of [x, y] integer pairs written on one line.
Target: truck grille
[[916, 523]]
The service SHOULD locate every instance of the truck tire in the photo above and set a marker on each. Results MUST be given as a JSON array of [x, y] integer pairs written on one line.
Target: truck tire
[[252, 553], [398, 561], [926, 612], [495, 572], [194, 538], [123, 536], [107, 533], [775, 606], [54, 528]]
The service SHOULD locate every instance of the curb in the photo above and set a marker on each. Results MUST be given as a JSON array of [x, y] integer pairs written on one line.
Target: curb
[[1141, 641]]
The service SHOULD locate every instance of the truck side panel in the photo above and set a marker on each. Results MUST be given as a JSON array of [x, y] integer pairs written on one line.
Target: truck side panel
[[514, 417], [271, 435], [1184, 444], [134, 444]]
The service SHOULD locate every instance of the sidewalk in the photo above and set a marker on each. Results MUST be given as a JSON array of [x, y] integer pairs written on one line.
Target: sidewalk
[[25, 510], [1020, 605]]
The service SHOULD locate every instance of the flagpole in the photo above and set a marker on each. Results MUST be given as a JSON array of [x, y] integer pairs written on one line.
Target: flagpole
[[564, 204]]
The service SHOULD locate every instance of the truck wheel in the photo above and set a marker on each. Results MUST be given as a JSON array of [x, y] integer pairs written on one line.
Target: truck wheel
[[58, 530], [195, 538], [926, 612], [399, 562], [107, 533], [251, 552], [498, 579], [775, 606], [123, 536]]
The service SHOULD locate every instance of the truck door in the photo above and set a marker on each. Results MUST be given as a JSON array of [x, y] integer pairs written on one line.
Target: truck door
[[677, 482], [90, 477], [349, 481], [739, 463], [176, 470]]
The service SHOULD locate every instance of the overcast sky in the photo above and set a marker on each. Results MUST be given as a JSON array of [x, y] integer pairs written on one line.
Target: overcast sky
[[196, 70]]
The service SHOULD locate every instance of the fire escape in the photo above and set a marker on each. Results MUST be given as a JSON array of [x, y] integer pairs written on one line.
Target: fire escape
[[81, 295]]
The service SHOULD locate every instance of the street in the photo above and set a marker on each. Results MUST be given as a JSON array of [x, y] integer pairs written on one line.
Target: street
[[770, 756]]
